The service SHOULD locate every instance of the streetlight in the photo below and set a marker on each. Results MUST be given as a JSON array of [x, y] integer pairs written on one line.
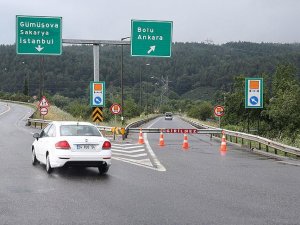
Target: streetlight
[[122, 88], [148, 64]]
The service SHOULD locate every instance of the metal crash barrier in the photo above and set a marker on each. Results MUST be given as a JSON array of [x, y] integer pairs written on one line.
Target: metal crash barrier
[[254, 142]]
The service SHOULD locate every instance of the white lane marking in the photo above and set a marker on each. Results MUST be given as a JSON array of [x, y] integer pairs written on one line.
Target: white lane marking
[[158, 165], [120, 147], [125, 153], [133, 156], [8, 109], [129, 152], [137, 163]]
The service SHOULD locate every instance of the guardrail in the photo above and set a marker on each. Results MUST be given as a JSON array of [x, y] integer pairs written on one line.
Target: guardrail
[[133, 126], [41, 123], [37, 122], [253, 141]]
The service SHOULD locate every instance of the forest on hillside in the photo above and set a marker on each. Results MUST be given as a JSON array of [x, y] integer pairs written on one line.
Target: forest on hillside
[[195, 70]]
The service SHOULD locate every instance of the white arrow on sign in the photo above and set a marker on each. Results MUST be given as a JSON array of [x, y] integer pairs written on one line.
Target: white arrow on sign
[[39, 48], [152, 49]]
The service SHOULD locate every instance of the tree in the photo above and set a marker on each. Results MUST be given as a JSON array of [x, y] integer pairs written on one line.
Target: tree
[[205, 110], [202, 111], [284, 108], [26, 88], [235, 103]]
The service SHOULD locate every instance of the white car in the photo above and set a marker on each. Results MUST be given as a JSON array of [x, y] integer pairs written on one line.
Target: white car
[[168, 116], [71, 144]]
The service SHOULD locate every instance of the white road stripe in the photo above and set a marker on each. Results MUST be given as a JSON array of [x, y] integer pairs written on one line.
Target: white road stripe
[[137, 163], [134, 156], [8, 108], [159, 166], [126, 144], [123, 147], [129, 152]]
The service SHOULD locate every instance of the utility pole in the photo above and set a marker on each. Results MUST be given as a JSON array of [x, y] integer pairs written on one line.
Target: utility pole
[[165, 88]]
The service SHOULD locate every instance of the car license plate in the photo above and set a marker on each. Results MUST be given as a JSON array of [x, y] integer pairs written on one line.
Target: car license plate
[[86, 147]]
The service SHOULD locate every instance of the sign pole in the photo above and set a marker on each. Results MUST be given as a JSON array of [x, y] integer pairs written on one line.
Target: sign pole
[[43, 74], [98, 110], [219, 121], [96, 61]]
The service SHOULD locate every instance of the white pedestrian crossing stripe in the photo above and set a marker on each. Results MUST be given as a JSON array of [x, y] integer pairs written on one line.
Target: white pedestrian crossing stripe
[[132, 153]]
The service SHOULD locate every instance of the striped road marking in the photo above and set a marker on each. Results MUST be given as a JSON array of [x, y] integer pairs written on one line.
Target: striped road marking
[[134, 154]]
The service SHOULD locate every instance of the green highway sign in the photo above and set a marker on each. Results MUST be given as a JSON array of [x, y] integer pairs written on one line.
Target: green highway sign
[[151, 38], [39, 35]]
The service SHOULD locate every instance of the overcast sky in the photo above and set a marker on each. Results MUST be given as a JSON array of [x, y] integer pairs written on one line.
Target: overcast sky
[[193, 20]]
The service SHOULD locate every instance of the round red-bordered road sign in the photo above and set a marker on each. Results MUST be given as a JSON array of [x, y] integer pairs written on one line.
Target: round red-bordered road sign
[[43, 111], [115, 108], [219, 110]]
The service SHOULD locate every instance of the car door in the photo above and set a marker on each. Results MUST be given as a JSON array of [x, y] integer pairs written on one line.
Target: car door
[[49, 141], [40, 146]]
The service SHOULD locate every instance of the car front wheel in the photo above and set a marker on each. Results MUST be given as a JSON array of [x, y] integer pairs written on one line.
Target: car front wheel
[[48, 165]]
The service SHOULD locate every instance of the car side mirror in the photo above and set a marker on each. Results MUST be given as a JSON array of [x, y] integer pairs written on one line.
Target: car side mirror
[[36, 135]]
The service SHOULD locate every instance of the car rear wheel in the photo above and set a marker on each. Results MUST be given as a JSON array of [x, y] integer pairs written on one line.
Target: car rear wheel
[[103, 169], [33, 157], [48, 165]]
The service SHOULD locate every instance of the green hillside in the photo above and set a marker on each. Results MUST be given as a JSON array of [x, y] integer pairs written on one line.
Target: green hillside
[[193, 70]]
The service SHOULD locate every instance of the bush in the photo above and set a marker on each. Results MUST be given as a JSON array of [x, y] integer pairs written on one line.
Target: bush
[[202, 111]]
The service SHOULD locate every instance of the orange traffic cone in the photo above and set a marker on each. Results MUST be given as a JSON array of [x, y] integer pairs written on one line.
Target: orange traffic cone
[[161, 139], [185, 144], [141, 139], [223, 147]]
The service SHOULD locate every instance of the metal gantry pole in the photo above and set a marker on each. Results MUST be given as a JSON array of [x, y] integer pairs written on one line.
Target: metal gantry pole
[[96, 61]]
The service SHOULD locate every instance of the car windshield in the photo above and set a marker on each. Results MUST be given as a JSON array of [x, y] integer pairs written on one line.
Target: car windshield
[[79, 130]]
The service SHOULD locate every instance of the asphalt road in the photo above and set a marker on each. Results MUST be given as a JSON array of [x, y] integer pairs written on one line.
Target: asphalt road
[[197, 186]]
